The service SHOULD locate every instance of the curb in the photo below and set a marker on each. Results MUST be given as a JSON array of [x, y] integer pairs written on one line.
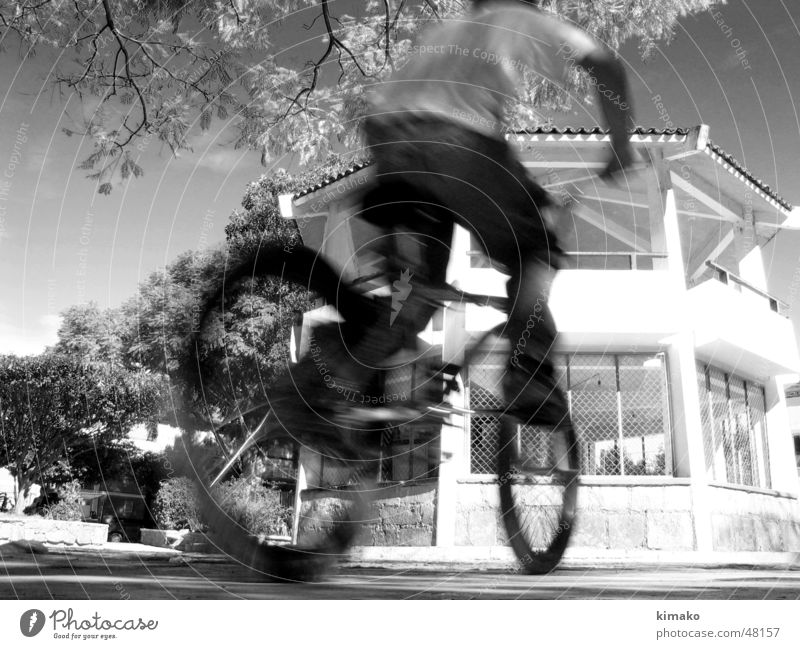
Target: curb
[[472, 558]]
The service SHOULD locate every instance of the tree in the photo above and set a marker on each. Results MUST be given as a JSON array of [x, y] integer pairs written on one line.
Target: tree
[[88, 333], [165, 68], [50, 404]]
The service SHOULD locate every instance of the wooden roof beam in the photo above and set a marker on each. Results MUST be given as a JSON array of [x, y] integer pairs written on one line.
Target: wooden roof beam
[[713, 247], [716, 204], [612, 228]]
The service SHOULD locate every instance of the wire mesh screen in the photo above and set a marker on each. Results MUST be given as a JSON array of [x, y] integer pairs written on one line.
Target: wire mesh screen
[[735, 435], [336, 474], [645, 416], [756, 404], [723, 436], [486, 382], [536, 449], [618, 403], [340, 467], [398, 383], [486, 398], [746, 470], [706, 420], [595, 412]]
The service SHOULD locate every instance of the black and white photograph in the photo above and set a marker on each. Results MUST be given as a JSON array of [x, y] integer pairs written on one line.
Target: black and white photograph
[[313, 301]]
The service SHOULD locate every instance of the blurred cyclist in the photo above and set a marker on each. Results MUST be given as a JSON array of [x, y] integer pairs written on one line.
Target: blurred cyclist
[[436, 131]]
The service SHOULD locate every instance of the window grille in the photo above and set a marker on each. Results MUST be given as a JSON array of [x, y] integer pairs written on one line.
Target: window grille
[[485, 385], [618, 404], [733, 415]]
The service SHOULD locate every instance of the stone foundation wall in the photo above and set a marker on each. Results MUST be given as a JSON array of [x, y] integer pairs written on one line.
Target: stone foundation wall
[[400, 515], [478, 520], [640, 517], [618, 517], [56, 533], [635, 517], [747, 521]]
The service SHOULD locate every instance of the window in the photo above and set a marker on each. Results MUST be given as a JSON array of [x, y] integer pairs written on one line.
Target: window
[[411, 451], [733, 415], [620, 409], [618, 404]]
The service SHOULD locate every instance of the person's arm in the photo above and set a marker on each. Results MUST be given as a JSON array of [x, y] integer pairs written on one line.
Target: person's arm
[[608, 77]]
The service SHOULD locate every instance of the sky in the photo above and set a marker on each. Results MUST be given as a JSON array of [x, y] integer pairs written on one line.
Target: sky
[[61, 243]]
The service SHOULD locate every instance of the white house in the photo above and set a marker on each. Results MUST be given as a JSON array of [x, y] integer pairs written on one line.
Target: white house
[[673, 353]]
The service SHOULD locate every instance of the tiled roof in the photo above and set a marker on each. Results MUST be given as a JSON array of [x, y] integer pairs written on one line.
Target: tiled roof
[[756, 181], [594, 130], [358, 166]]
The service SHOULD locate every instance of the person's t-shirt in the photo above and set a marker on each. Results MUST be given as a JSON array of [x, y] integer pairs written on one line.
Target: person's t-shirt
[[468, 69]]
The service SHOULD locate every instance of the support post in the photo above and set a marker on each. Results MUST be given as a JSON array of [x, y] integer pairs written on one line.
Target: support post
[[687, 433]]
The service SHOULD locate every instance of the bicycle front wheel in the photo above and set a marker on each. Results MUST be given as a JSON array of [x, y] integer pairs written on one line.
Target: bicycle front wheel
[[284, 281], [538, 476]]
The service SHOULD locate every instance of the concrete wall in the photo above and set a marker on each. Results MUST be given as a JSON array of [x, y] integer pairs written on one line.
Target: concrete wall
[[618, 517], [745, 520], [400, 515], [660, 516], [635, 517], [57, 533]]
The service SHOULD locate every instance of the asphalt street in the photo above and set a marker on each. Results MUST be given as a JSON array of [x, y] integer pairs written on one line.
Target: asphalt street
[[113, 575]]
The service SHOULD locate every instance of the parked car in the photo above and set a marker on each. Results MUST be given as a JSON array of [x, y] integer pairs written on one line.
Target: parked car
[[124, 513]]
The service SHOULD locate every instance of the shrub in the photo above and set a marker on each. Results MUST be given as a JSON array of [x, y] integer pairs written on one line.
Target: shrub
[[68, 507], [254, 506], [176, 505]]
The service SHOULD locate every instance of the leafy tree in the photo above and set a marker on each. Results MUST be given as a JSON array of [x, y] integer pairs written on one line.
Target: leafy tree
[[90, 334], [50, 404], [165, 68], [244, 341]]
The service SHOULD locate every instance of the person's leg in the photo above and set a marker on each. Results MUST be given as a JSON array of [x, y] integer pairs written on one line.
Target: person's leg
[[417, 253], [488, 191], [336, 368]]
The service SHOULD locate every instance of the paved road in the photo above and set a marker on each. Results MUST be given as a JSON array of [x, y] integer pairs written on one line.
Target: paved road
[[112, 576]]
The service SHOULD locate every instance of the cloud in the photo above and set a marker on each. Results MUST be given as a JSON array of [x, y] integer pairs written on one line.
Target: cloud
[[29, 341]]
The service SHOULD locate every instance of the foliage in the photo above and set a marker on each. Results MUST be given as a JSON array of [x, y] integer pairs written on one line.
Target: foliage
[[176, 505], [90, 334], [68, 507], [166, 68], [243, 340], [50, 404], [254, 506]]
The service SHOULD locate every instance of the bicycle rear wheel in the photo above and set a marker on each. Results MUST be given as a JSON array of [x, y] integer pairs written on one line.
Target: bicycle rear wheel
[[326, 526], [537, 466]]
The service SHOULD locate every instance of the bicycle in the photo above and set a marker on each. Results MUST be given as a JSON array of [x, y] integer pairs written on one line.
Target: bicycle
[[537, 469]]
